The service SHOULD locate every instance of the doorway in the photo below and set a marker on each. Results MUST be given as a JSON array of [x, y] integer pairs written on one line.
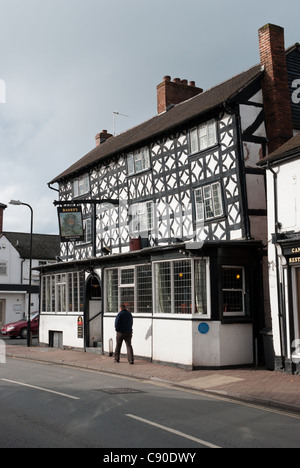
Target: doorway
[[93, 319]]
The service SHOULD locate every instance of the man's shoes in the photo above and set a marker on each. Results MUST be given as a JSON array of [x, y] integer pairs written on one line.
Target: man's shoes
[[131, 362], [116, 361]]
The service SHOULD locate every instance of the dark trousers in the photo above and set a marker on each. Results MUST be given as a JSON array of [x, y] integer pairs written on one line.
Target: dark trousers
[[127, 337]]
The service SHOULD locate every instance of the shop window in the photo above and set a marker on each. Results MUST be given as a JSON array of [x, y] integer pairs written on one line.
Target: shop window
[[130, 286], [61, 293], [233, 286], [181, 287]]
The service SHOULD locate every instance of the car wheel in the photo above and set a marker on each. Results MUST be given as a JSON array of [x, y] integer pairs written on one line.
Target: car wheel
[[23, 333]]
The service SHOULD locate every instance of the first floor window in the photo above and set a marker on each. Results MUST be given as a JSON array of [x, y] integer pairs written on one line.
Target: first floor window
[[208, 201], [3, 268], [87, 230], [138, 161], [142, 215], [233, 286], [204, 136], [81, 186]]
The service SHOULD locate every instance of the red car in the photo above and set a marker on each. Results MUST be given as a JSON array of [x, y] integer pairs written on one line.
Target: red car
[[19, 328]]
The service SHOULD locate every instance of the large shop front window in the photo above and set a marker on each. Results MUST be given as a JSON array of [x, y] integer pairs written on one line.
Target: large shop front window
[[182, 287], [131, 287], [62, 293]]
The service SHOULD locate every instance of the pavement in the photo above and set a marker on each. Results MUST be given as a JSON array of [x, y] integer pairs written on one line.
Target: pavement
[[258, 386]]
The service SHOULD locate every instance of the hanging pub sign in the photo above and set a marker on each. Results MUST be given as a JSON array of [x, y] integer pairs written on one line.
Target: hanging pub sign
[[70, 223]]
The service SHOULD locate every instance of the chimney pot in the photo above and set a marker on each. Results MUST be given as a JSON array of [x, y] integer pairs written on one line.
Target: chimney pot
[[177, 80], [184, 82]]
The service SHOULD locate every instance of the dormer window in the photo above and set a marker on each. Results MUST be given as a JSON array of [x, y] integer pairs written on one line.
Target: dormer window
[[138, 161], [204, 136]]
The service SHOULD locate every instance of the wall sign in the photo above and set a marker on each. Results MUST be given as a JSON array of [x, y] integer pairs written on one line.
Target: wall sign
[[80, 327], [203, 328]]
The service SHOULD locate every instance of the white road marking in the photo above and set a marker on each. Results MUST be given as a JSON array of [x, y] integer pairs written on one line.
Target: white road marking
[[173, 431], [42, 389]]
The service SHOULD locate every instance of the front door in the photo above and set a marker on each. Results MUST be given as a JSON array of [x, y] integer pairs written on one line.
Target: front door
[[95, 323], [2, 312], [94, 313]]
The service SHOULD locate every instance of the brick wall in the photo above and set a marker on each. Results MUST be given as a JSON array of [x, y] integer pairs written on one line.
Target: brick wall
[[275, 86], [173, 92]]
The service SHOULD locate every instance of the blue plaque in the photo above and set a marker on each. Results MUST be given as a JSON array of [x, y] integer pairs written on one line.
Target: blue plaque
[[203, 328]]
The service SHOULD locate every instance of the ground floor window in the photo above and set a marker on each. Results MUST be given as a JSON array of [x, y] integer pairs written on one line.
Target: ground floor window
[[131, 286], [62, 293], [233, 286], [182, 287]]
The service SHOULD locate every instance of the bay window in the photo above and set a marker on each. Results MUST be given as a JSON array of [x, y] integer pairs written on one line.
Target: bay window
[[182, 287]]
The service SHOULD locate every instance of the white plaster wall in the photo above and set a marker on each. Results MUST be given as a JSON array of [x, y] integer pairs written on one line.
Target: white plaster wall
[[12, 300], [223, 345], [141, 339], [172, 341], [288, 180], [62, 323]]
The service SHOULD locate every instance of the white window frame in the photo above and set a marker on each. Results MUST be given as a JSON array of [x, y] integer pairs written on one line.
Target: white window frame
[[81, 186], [87, 230], [207, 199], [138, 161], [50, 285], [3, 268], [203, 136], [142, 217], [124, 286], [206, 316], [242, 291]]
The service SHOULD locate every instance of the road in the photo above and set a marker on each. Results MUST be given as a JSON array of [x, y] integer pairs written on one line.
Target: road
[[51, 406]]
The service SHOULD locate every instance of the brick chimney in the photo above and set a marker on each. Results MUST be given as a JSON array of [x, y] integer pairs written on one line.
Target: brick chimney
[[102, 137], [275, 86], [173, 92], [2, 208]]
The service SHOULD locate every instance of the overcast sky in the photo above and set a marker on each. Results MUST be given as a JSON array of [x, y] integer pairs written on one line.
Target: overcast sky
[[67, 65]]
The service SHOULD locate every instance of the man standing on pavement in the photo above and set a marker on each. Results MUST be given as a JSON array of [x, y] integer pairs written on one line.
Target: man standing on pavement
[[123, 326]]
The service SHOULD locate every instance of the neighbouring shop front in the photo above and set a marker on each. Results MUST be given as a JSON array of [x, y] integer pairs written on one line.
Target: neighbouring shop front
[[193, 308], [290, 300]]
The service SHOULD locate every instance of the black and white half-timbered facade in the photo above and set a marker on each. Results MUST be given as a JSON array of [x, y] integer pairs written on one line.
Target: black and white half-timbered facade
[[175, 227]]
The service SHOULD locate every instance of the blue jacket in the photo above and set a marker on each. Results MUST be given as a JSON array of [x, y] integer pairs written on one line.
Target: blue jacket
[[124, 322]]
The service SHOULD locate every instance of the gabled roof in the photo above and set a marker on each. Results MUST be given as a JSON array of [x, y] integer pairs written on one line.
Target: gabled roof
[[177, 116], [290, 149], [44, 246]]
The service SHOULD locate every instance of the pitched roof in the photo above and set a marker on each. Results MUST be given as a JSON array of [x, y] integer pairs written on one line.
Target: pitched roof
[[289, 149], [44, 246], [177, 116]]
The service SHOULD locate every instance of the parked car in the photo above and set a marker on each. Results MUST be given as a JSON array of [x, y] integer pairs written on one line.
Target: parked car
[[19, 328]]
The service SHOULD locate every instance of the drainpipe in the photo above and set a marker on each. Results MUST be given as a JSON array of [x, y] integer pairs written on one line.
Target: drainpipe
[[279, 286]]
